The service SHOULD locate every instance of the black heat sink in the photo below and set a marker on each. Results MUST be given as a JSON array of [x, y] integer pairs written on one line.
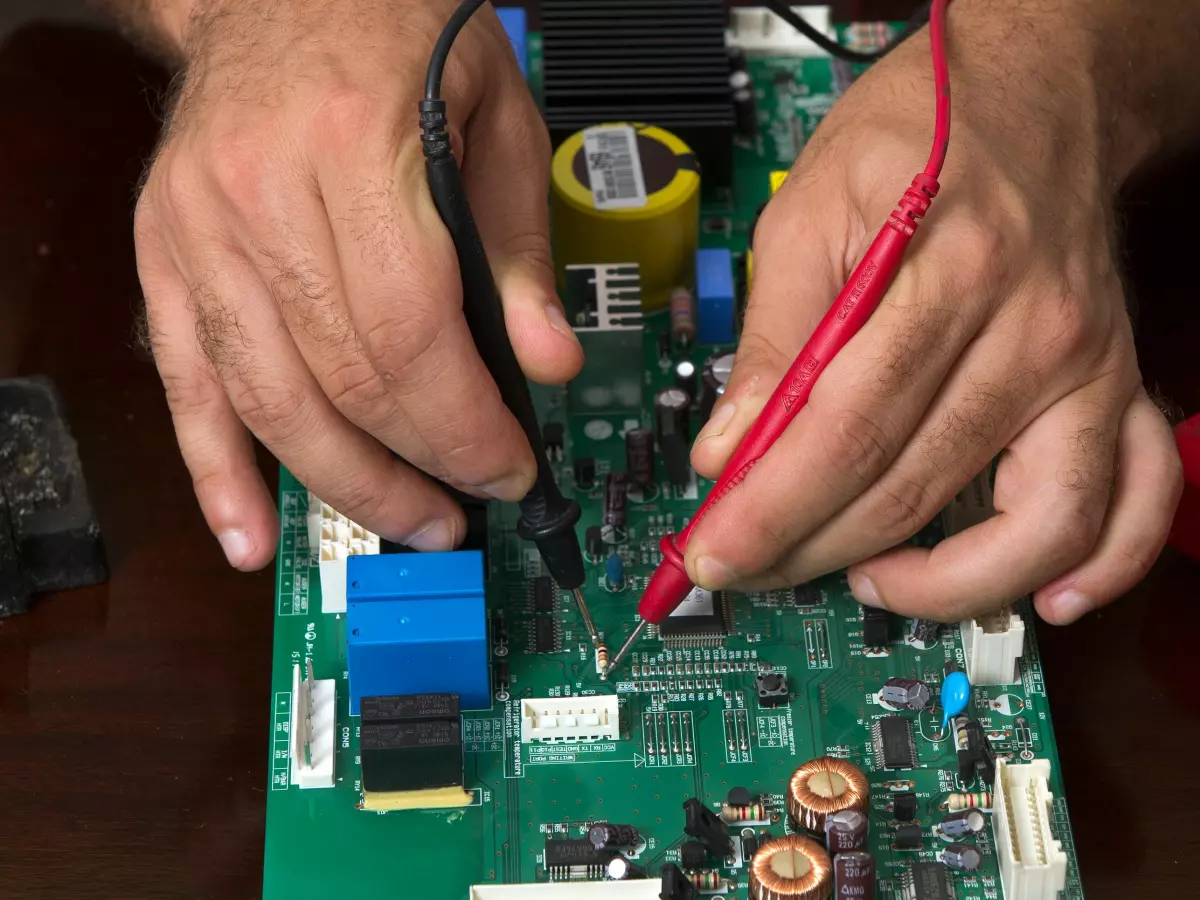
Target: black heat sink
[[661, 62]]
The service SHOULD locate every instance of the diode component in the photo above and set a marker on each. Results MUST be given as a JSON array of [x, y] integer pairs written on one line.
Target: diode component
[[614, 573], [823, 786], [967, 821], [639, 456], [845, 830], [683, 316], [671, 426], [585, 472], [714, 376], [616, 487], [854, 876], [962, 857], [792, 867], [626, 191], [593, 542], [907, 692]]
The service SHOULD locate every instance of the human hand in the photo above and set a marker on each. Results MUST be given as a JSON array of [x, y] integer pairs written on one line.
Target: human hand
[[299, 283], [1005, 332]]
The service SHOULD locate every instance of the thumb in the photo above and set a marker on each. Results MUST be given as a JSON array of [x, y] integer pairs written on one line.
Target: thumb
[[506, 168], [794, 283]]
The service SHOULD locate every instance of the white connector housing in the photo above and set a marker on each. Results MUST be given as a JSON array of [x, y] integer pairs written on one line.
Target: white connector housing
[[313, 730], [639, 889], [992, 645], [757, 30], [334, 538], [570, 719], [1033, 865]]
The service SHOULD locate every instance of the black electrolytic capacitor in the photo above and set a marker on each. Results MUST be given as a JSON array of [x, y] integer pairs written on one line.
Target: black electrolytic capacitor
[[963, 857], [967, 821], [854, 876], [639, 456], [593, 540], [671, 424], [585, 472], [604, 834], [616, 484], [845, 830], [713, 378], [685, 377], [745, 110], [749, 844]]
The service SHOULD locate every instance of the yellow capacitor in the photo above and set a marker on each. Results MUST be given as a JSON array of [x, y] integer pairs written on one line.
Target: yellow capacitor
[[778, 177], [626, 192]]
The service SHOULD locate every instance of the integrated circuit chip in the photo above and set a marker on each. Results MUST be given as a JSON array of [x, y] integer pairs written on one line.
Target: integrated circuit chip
[[545, 636], [700, 615], [807, 594], [543, 594], [574, 858], [928, 881], [895, 745]]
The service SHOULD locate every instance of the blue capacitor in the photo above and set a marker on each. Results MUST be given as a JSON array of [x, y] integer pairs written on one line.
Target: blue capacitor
[[614, 573], [714, 295], [512, 18], [956, 694]]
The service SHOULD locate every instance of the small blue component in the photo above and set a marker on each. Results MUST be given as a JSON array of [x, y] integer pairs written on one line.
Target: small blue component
[[514, 22], [956, 694], [415, 624], [714, 296], [614, 573]]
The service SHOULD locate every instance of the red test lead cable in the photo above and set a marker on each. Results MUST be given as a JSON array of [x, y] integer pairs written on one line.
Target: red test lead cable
[[849, 312]]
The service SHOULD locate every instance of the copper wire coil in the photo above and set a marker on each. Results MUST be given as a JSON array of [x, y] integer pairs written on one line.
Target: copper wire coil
[[822, 786], [792, 867]]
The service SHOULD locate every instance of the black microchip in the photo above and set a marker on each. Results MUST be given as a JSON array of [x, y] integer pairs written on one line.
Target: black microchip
[[701, 614], [585, 472], [904, 806], [895, 745], [543, 594], [807, 594], [545, 636], [929, 881], [875, 627], [909, 836], [575, 858], [552, 437]]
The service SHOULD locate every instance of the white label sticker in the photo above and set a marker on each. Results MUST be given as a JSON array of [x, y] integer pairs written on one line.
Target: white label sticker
[[698, 602], [614, 167]]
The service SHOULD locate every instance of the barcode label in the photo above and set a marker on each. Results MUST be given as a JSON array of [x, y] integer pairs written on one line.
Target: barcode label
[[614, 167]]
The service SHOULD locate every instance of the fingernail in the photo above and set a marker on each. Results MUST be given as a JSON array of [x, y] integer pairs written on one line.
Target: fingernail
[[558, 321], [237, 546], [712, 573], [864, 590], [717, 422], [510, 488], [437, 535], [1069, 606]]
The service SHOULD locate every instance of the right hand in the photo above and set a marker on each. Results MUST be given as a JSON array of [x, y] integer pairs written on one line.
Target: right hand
[[301, 287]]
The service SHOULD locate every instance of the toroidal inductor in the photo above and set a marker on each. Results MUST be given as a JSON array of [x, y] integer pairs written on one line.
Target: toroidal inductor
[[822, 786], [792, 867]]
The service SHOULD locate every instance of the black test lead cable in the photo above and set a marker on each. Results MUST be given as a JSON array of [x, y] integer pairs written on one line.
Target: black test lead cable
[[547, 517]]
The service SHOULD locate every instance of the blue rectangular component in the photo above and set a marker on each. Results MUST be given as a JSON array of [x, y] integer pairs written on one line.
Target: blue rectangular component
[[714, 296], [514, 22], [415, 624]]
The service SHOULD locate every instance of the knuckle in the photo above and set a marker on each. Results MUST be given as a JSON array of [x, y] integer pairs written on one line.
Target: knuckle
[[238, 168], [1070, 533], [344, 116], [358, 392], [361, 500], [277, 410], [855, 446], [757, 352], [901, 508], [397, 345], [186, 393]]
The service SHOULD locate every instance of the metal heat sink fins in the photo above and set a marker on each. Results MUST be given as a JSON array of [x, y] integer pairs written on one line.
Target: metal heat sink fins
[[657, 61]]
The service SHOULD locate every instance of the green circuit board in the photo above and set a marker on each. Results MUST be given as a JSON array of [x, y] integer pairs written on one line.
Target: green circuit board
[[691, 725]]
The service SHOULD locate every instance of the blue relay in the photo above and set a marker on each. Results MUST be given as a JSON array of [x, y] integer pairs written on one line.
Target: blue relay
[[714, 296], [514, 22], [415, 624]]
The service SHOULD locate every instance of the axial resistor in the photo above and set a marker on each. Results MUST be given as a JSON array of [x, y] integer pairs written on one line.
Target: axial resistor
[[751, 812], [706, 880], [981, 800], [683, 316]]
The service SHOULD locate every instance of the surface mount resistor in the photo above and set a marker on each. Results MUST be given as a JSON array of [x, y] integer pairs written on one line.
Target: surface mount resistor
[[616, 486], [683, 316], [639, 456]]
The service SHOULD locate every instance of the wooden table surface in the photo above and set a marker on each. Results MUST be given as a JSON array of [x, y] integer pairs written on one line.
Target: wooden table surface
[[134, 716]]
